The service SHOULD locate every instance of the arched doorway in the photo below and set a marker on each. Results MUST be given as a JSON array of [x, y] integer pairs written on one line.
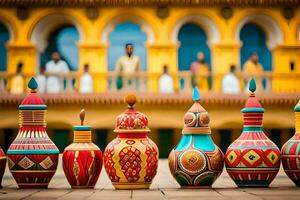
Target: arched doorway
[[192, 40], [254, 39], [123, 33], [63, 40], [4, 37]]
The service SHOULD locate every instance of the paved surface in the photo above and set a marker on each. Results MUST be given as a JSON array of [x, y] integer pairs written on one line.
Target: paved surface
[[163, 187]]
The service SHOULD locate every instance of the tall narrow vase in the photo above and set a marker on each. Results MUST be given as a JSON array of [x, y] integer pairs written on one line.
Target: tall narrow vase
[[291, 151], [196, 162], [252, 160], [32, 157], [82, 160], [131, 159]]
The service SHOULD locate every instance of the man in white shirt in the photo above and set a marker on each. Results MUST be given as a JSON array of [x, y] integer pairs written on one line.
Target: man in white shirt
[[58, 66], [127, 65], [230, 82], [42, 81], [166, 82], [86, 81]]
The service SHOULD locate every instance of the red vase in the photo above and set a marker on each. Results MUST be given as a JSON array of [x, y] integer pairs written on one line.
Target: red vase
[[252, 160], [82, 160], [290, 151], [32, 157], [2, 165], [131, 159]]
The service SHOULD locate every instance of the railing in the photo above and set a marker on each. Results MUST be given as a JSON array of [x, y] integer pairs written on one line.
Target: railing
[[140, 82]]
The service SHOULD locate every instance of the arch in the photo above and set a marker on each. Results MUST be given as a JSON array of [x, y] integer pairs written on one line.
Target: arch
[[127, 32], [274, 33], [112, 23], [4, 37], [46, 24], [204, 22], [192, 40], [253, 39]]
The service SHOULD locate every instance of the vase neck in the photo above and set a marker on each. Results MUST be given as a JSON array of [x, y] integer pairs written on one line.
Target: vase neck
[[32, 118], [253, 119], [82, 136], [297, 122]]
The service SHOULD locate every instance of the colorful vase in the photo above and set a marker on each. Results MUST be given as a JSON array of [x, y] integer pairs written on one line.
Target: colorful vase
[[252, 160], [290, 153], [82, 160], [32, 157], [2, 165], [131, 159], [196, 162]]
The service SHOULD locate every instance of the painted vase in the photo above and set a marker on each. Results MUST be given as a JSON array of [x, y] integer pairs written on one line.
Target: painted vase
[[32, 157], [82, 160], [2, 165], [196, 162], [131, 159], [252, 160], [290, 152]]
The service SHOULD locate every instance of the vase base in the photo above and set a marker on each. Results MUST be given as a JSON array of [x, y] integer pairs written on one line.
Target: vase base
[[253, 183], [32, 186], [82, 187], [196, 187], [131, 186]]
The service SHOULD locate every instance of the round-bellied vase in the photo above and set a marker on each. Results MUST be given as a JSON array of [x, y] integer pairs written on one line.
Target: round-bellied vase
[[290, 152], [32, 157], [2, 165], [82, 160], [131, 159], [252, 160], [196, 162]]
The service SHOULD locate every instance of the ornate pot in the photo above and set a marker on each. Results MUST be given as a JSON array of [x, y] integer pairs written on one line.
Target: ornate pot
[[131, 159], [2, 165], [252, 160], [196, 162], [82, 160], [290, 152], [32, 157]]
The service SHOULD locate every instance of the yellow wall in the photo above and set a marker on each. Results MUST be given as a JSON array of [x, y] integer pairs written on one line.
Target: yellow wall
[[162, 49]]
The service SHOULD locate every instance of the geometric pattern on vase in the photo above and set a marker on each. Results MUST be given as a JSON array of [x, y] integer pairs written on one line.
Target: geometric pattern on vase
[[252, 160], [291, 151], [32, 157], [131, 159], [196, 162], [2, 165]]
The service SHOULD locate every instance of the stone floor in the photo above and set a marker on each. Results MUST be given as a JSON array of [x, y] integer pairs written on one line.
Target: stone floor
[[163, 187]]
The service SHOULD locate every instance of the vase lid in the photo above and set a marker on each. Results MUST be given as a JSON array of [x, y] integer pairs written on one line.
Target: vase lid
[[252, 105], [82, 127], [196, 120], [32, 101], [131, 120]]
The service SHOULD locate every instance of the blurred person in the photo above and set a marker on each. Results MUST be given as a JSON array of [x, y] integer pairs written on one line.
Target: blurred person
[[57, 66], [41, 80], [127, 64], [166, 81], [86, 81], [230, 82], [17, 81], [253, 69], [200, 72]]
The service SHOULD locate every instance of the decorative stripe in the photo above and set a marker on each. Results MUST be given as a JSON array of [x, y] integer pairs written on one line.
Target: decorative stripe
[[32, 171], [253, 147], [288, 148], [131, 135], [196, 130], [252, 128], [82, 128], [82, 136], [37, 151], [3, 157], [253, 169], [255, 110], [32, 107]]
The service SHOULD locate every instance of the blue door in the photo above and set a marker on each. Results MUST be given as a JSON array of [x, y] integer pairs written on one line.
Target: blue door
[[254, 40], [64, 41], [192, 40], [127, 33], [4, 37]]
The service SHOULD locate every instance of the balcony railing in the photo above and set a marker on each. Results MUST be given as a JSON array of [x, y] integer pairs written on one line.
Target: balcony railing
[[267, 81]]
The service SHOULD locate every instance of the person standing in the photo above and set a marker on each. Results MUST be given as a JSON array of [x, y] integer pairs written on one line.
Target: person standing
[[42, 81], [200, 73], [56, 66], [230, 82], [127, 65], [17, 81], [86, 81], [253, 69], [166, 82]]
